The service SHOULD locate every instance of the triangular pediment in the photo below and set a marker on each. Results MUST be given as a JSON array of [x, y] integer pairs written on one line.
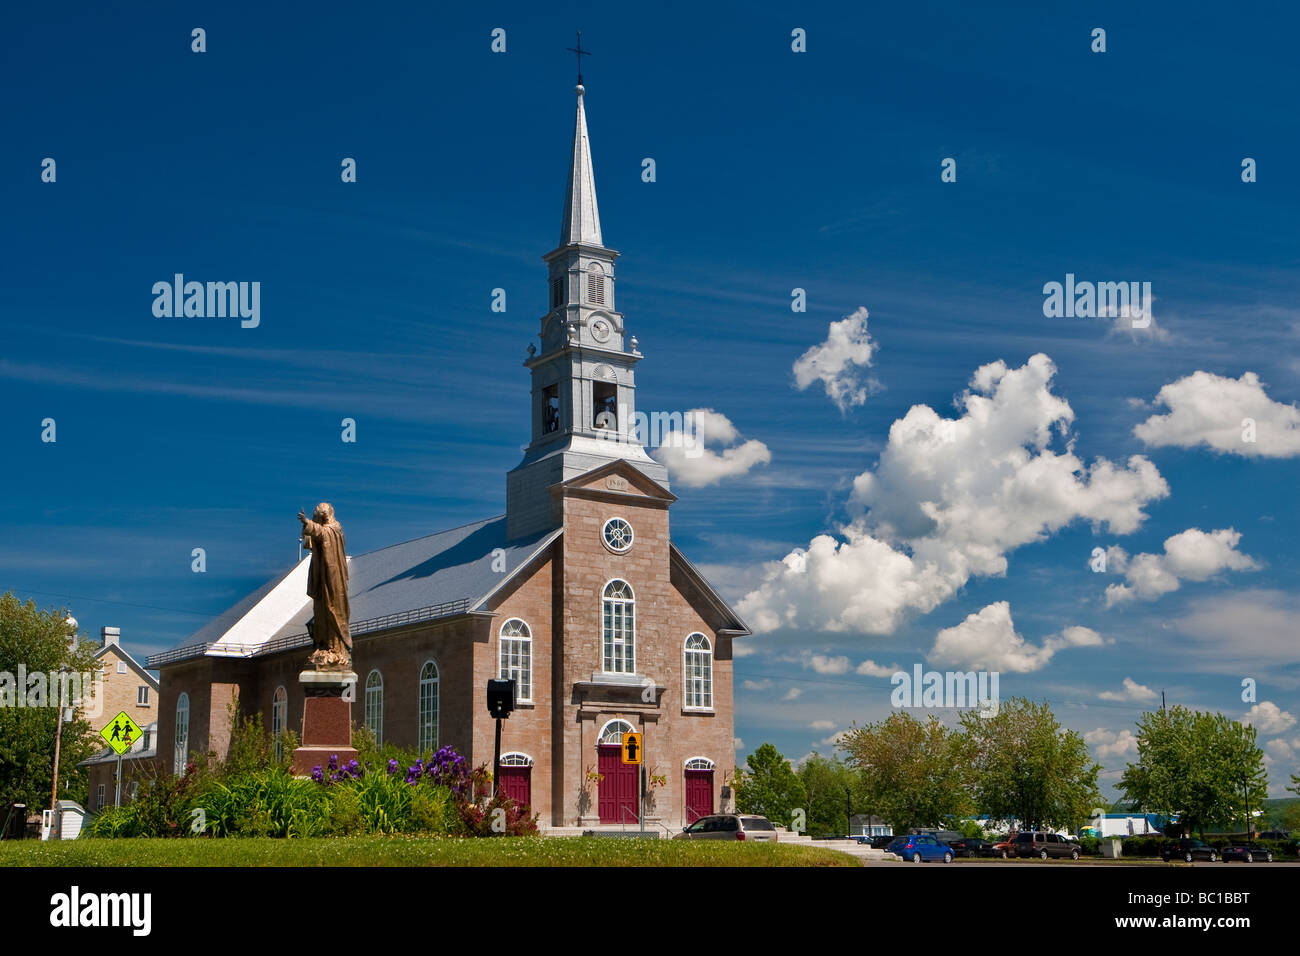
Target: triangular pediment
[[617, 478]]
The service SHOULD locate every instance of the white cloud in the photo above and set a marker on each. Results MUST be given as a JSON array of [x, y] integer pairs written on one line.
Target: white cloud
[[822, 725], [1268, 718], [1191, 555], [833, 740], [987, 640], [840, 362], [1209, 409], [691, 462], [741, 649], [763, 684], [927, 518], [737, 743], [872, 669], [827, 665], [792, 694], [1110, 743], [1279, 750], [1132, 691]]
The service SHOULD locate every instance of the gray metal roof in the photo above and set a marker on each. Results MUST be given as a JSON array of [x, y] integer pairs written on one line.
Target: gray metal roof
[[422, 579]]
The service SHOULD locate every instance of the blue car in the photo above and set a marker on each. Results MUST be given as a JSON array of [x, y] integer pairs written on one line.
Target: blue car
[[921, 846]]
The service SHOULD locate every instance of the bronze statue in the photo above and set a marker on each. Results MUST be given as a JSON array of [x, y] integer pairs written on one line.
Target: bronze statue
[[327, 586]]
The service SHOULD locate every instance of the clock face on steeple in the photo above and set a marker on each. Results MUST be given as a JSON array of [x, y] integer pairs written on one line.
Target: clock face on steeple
[[600, 330]]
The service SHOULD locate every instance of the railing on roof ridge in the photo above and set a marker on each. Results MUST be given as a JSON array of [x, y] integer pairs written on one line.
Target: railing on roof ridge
[[291, 641]]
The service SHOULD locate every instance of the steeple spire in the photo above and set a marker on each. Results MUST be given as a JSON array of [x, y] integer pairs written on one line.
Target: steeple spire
[[581, 216]]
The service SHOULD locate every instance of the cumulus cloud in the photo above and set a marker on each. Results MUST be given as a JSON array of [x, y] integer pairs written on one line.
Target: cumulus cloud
[[1110, 743], [792, 694], [822, 725], [987, 640], [872, 669], [947, 500], [827, 665], [1268, 718], [1133, 691], [690, 461], [763, 684], [1208, 409], [840, 363], [737, 743], [1191, 555]]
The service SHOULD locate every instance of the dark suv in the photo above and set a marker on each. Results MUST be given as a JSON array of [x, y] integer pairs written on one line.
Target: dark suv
[[1042, 845], [1188, 850]]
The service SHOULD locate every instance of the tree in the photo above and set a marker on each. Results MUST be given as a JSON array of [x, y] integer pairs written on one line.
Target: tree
[[1203, 767], [833, 793], [34, 643], [1026, 768], [769, 787], [912, 773]]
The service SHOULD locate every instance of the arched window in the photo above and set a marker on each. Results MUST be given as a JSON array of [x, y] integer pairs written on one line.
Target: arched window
[[279, 719], [612, 732], [181, 750], [516, 759], [699, 763], [517, 657], [619, 628], [428, 707], [375, 706], [697, 658]]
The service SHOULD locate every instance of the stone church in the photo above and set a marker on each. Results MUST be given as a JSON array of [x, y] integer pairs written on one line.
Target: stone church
[[577, 592]]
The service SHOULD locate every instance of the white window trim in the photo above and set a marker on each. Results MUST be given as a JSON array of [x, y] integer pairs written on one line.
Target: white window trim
[[516, 758], [701, 758], [603, 599], [631, 531], [501, 644], [181, 741], [379, 730], [600, 737], [121, 667], [436, 683], [686, 680]]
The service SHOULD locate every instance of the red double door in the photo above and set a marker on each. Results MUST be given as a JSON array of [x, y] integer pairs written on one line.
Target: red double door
[[617, 800], [517, 784], [699, 794]]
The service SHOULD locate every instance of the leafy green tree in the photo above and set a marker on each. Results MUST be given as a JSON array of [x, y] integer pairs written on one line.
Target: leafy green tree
[[834, 793], [1026, 768], [38, 641], [1201, 766], [911, 772], [769, 786]]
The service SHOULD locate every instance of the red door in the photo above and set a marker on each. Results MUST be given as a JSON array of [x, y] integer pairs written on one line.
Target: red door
[[517, 784], [699, 794], [617, 801]]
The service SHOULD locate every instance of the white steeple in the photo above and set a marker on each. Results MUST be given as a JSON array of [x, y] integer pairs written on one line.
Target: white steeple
[[581, 216]]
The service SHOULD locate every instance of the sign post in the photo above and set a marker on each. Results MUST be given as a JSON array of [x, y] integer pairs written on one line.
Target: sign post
[[634, 753], [121, 735]]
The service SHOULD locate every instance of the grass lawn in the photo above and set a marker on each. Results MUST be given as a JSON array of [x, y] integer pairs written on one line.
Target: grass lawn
[[413, 851]]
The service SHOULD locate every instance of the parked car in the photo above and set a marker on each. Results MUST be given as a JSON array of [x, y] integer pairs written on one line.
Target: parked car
[[730, 826], [1005, 848], [877, 842], [921, 846], [1188, 850], [1042, 845], [1247, 853], [971, 846]]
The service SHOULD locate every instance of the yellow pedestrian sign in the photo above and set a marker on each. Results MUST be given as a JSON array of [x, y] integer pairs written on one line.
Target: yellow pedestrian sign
[[122, 733], [632, 748]]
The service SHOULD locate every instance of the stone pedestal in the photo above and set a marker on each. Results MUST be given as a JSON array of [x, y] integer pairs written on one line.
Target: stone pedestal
[[326, 720]]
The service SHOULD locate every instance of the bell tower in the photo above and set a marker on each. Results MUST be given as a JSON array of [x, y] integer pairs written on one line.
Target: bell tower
[[583, 394]]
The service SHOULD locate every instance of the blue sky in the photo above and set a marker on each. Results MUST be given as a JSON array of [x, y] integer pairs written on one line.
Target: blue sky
[[775, 170]]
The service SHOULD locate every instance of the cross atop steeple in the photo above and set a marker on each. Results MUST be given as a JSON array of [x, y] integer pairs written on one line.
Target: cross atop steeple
[[580, 52]]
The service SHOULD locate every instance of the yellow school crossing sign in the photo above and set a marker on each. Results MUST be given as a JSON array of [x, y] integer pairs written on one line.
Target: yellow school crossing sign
[[122, 733]]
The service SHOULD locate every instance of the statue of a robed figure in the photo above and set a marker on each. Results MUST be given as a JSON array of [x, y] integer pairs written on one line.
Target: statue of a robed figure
[[328, 682], [327, 586]]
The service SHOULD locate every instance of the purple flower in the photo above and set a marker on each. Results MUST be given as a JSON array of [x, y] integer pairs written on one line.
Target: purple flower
[[317, 775], [392, 766], [334, 762]]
